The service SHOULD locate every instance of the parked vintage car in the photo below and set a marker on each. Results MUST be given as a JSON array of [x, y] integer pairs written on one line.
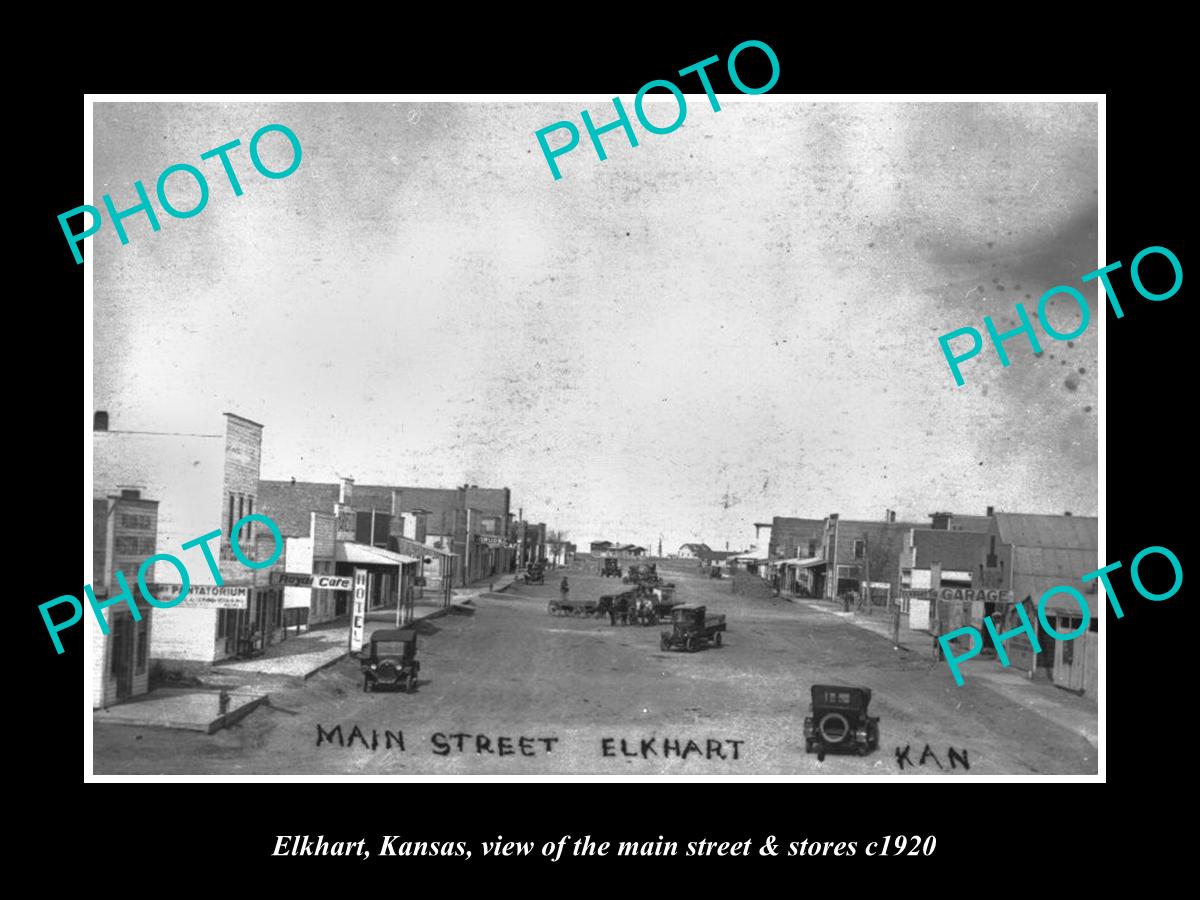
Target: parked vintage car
[[391, 661], [837, 721], [535, 573], [642, 573], [692, 629], [610, 567]]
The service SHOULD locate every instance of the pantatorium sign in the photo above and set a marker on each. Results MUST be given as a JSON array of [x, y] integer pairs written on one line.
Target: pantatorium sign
[[204, 596]]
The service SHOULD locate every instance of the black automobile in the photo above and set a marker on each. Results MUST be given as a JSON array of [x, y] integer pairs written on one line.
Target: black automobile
[[692, 629], [535, 573], [837, 721], [610, 567], [391, 661]]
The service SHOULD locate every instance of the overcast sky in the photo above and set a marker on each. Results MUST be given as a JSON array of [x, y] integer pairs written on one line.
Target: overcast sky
[[731, 322]]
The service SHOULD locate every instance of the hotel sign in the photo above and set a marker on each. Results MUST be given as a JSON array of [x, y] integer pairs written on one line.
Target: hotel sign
[[204, 596], [358, 616]]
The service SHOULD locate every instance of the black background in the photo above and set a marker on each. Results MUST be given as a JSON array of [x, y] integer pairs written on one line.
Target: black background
[[983, 830]]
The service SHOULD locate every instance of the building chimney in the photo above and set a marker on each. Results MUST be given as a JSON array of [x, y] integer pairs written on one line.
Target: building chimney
[[346, 493], [941, 521], [1067, 513], [891, 515], [100, 421], [395, 502], [991, 511]]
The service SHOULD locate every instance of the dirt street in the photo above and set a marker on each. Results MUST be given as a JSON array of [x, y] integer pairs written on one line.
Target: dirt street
[[509, 689]]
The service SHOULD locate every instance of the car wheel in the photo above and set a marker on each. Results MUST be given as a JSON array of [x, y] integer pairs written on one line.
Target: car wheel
[[808, 745], [690, 645], [411, 686], [664, 642], [717, 639]]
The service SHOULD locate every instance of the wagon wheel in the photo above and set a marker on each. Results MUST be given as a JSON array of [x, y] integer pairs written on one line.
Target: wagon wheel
[[717, 639]]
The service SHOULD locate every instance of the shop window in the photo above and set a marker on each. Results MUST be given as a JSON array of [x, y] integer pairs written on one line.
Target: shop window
[[143, 645]]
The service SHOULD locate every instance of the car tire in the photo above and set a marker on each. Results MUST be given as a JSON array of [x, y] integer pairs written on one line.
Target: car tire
[[664, 642], [690, 645], [717, 639]]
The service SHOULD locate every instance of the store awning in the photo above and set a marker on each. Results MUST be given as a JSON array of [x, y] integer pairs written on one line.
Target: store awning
[[798, 563], [365, 555]]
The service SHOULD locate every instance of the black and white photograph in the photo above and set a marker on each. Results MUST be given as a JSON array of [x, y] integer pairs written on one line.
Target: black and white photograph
[[469, 436]]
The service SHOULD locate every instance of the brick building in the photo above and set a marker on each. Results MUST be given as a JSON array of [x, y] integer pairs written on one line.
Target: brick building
[[203, 482], [460, 534]]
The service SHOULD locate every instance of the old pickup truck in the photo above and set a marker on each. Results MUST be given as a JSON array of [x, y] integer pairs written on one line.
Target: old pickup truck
[[692, 629]]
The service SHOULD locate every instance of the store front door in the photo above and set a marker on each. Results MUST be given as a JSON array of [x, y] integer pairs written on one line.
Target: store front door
[[122, 654]]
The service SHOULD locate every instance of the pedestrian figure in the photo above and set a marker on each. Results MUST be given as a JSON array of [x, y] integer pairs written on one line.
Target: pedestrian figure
[[564, 588]]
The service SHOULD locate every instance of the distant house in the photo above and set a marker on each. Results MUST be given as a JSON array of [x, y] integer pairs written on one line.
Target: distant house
[[601, 546], [717, 557], [694, 551]]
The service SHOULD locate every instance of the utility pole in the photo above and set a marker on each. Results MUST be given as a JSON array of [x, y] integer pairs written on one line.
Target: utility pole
[[521, 538], [832, 573], [867, 569]]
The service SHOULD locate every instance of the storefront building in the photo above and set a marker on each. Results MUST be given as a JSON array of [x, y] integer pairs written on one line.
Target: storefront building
[[203, 482], [125, 528]]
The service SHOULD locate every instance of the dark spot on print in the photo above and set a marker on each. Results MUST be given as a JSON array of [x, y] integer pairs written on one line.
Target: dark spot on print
[[1072, 383], [1082, 370]]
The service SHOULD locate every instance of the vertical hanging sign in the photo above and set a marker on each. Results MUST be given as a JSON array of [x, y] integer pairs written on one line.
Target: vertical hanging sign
[[359, 614]]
